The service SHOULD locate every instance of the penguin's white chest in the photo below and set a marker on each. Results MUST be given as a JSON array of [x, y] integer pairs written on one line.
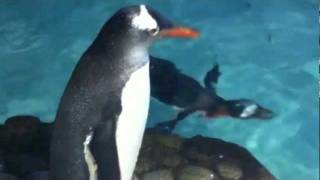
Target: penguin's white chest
[[132, 120]]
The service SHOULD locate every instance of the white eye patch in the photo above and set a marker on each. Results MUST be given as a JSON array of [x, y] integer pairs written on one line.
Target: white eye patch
[[144, 21], [248, 111]]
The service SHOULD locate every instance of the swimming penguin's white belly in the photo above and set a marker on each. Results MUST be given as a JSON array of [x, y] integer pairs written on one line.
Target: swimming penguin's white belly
[[131, 123]]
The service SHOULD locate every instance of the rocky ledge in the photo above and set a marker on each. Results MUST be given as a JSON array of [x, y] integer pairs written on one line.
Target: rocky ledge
[[24, 152]]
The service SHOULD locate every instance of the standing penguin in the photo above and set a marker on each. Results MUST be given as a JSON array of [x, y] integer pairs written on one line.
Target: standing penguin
[[102, 114]]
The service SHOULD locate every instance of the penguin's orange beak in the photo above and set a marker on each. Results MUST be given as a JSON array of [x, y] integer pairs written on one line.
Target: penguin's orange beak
[[179, 32]]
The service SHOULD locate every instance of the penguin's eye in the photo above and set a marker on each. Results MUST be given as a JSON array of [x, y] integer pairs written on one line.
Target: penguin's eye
[[154, 31]]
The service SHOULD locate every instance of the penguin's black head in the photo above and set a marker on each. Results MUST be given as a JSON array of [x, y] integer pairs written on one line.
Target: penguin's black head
[[141, 24], [248, 109]]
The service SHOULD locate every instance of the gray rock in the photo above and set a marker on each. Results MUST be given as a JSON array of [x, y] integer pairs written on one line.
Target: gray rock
[[172, 160], [158, 175], [162, 156], [170, 141], [263, 174], [229, 170], [197, 158], [195, 173], [143, 165]]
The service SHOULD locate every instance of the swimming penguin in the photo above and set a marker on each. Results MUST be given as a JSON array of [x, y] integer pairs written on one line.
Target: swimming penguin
[[170, 86], [102, 114]]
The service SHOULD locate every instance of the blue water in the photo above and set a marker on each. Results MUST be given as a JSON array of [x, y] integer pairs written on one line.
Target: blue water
[[267, 50]]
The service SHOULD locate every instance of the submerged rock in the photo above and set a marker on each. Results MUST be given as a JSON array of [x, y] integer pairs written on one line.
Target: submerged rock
[[24, 152]]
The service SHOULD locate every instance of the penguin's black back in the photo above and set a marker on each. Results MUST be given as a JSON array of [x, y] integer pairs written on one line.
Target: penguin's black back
[[92, 87], [92, 102]]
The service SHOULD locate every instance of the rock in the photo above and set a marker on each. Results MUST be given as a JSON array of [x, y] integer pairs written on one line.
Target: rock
[[171, 161], [198, 158], [158, 175], [25, 140], [212, 153], [25, 163], [143, 165], [3, 167], [25, 133], [195, 173], [229, 170], [19, 133], [263, 174], [24, 145], [160, 152], [148, 143], [170, 141], [4, 176]]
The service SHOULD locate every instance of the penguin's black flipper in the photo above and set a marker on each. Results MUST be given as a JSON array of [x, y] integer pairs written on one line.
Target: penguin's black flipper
[[168, 126], [104, 152], [212, 77]]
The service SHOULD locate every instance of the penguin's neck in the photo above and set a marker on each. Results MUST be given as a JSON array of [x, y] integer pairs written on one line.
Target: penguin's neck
[[137, 56], [131, 51], [124, 56]]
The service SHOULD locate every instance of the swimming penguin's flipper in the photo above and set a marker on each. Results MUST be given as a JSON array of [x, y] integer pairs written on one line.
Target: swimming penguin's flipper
[[211, 78], [168, 126]]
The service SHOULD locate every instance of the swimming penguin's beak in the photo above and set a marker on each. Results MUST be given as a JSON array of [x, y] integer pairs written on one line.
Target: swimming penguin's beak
[[179, 32]]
